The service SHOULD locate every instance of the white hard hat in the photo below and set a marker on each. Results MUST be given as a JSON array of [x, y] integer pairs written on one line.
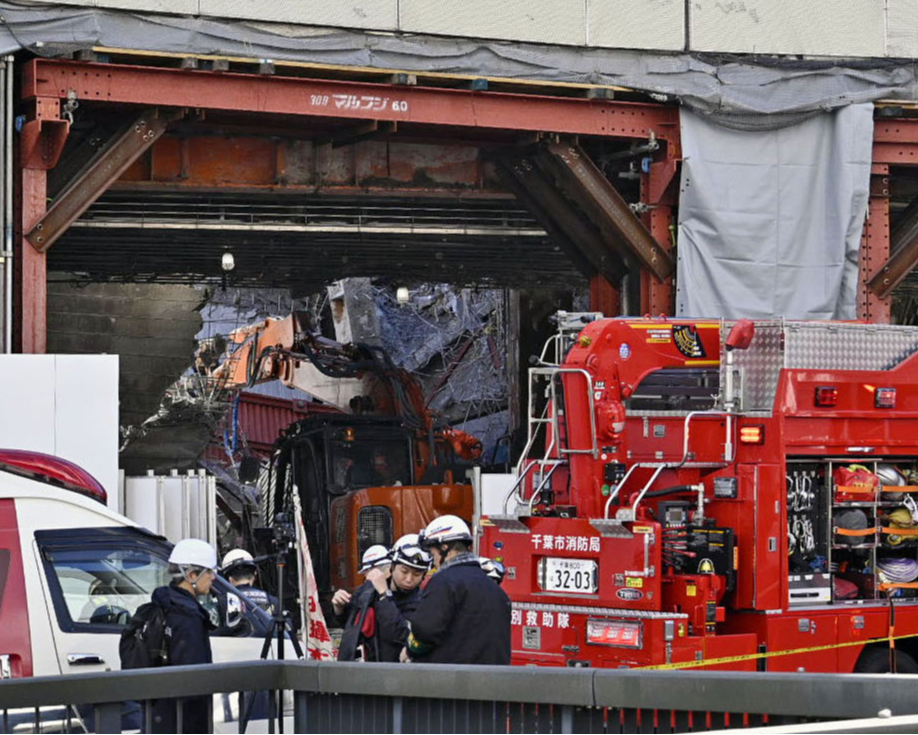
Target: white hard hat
[[409, 539], [237, 559], [407, 551], [445, 529], [494, 569], [377, 555], [194, 552]]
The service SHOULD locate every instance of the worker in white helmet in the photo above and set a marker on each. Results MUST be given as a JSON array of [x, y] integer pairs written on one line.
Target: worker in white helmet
[[397, 595], [240, 569], [462, 616], [355, 611], [375, 557], [193, 565]]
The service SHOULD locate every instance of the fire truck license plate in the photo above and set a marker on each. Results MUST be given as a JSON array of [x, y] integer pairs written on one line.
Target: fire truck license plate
[[569, 575]]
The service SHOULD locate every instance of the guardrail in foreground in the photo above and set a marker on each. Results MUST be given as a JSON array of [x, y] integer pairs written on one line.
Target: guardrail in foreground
[[397, 698]]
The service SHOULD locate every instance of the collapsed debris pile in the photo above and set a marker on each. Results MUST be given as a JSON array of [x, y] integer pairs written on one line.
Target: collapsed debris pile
[[454, 341]]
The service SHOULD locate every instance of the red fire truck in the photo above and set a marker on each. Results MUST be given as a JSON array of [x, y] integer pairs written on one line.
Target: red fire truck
[[697, 493]]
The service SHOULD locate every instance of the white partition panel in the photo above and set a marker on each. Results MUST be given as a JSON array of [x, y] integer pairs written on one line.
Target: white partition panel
[[65, 405], [636, 24], [143, 503], [902, 28], [494, 488]]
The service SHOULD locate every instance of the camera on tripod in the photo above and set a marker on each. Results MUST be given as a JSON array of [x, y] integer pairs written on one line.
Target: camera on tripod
[[284, 533]]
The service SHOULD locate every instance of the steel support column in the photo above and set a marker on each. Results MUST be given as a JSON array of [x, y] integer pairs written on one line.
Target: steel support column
[[43, 136], [659, 195], [657, 296], [31, 273], [904, 249], [875, 250], [40, 145]]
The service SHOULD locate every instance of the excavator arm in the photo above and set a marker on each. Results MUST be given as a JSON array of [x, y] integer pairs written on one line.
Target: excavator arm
[[356, 378]]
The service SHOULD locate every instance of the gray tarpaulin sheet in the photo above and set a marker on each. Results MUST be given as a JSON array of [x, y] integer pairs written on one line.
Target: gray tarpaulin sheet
[[770, 221], [739, 93]]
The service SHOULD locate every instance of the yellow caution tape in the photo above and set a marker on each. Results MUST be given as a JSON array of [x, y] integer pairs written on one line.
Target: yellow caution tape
[[769, 654]]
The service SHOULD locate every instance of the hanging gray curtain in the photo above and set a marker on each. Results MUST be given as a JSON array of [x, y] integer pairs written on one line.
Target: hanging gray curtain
[[770, 221]]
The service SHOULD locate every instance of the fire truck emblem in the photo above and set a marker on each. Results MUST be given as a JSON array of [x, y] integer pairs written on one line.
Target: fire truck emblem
[[629, 594], [687, 341]]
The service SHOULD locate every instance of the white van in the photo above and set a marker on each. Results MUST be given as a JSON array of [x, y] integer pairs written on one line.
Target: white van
[[72, 573]]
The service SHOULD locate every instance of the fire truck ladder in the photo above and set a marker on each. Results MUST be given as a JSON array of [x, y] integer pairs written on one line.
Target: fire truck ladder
[[569, 324], [555, 453]]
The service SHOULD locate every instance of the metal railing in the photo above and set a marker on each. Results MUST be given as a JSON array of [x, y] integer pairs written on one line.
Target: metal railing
[[398, 698]]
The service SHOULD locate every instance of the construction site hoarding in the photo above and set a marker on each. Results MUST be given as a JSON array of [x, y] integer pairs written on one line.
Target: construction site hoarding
[[855, 28]]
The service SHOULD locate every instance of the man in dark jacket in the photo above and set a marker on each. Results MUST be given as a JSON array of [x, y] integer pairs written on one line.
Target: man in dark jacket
[[398, 596], [463, 617], [355, 611], [377, 614], [188, 625]]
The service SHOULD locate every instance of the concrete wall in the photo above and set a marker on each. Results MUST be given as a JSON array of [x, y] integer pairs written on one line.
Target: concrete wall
[[151, 327], [866, 28]]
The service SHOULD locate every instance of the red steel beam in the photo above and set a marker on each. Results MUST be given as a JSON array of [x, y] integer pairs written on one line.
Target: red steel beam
[[32, 275], [895, 142], [874, 254], [181, 161], [276, 95], [657, 297]]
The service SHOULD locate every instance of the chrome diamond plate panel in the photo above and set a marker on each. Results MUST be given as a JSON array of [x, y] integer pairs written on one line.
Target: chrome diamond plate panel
[[814, 346], [758, 366]]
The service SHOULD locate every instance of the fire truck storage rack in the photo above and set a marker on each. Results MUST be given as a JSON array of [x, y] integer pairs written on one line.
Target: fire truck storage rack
[[845, 542]]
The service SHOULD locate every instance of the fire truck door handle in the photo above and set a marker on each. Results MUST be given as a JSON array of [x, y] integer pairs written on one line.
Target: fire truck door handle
[[6, 671], [84, 659]]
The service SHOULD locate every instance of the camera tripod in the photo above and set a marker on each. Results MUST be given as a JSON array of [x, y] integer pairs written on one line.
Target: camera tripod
[[277, 631]]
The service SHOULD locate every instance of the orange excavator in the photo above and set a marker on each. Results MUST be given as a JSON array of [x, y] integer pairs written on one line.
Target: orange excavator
[[378, 468]]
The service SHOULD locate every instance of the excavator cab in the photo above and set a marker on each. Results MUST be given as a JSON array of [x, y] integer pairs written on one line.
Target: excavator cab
[[361, 457], [326, 460]]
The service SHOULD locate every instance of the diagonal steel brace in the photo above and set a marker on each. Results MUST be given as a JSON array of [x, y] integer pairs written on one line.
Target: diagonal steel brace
[[582, 243], [112, 161], [585, 183], [904, 249]]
